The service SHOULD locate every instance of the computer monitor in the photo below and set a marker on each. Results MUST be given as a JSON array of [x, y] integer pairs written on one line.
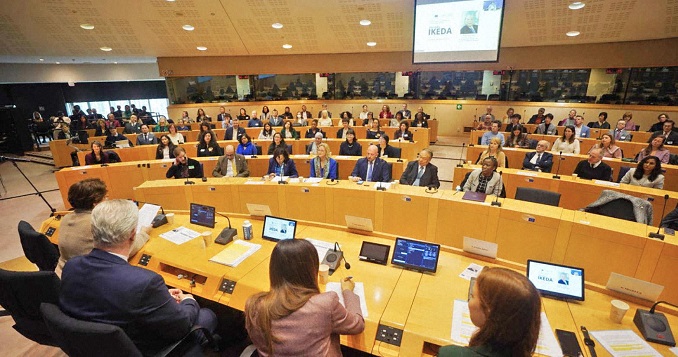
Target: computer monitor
[[555, 280], [202, 215], [276, 228], [416, 255]]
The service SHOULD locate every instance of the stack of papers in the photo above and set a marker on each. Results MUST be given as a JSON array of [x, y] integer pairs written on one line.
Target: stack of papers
[[624, 343], [180, 235], [358, 290], [146, 214], [235, 253], [321, 246]]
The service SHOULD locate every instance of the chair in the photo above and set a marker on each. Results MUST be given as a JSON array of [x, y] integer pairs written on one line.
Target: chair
[[21, 294], [538, 196], [618, 205], [397, 152], [259, 150], [37, 248], [673, 159], [622, 171], [289, 149], [113, 156]]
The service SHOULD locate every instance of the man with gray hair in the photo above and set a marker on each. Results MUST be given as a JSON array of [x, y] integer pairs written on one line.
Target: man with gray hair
[[102, 287], [421, 172], [594, 168]]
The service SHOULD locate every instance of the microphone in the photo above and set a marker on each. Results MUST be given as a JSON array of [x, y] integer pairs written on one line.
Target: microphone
[[333, 258], [159, 219], [654, 326], [658, 235], [524, 116], [496, 200], [5, 158], [227, 234], [560, 158], [461, 156], [188, 182]]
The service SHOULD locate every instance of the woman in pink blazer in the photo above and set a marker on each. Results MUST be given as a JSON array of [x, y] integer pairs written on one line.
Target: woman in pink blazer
[[294, 318]]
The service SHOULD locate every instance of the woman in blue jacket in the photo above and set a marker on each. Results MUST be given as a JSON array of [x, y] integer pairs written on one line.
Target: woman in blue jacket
[[323, 165], [281, 164], [246, 147]]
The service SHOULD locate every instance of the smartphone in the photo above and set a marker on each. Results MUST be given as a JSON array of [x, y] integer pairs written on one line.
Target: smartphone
[[568, 343], [359, 182]]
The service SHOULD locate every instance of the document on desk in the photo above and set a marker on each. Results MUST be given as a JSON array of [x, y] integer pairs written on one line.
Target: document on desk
[[280, 178], [146, 214], [235, 253], [358, 290], [463, 328], [471, 271], [313, 179], [606, 183], [622, 343], [252, 182], [180, 235], [321, 246], [385, 185]]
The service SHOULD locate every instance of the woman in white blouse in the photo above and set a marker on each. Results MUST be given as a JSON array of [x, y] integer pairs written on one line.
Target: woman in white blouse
[[648, 173], [324, 119], [267, 132], [174, 135], [567, 143]]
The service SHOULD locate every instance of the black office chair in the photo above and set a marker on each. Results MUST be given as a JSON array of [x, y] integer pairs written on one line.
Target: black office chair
[[37, 248], [622, 172], [21, 294], [289, 149], [113, 157], [538, 196], [673, 159], [397, 152], [259, 150]]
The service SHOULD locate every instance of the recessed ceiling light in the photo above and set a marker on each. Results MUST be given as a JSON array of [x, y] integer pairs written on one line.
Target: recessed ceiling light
[[287, 46], [371, 44], [42, 60], [277, 25], [58, 63], [106, 49], [201, 48], [188, 27], [87, 26], [576, 5], [365, 22], [573, 33]]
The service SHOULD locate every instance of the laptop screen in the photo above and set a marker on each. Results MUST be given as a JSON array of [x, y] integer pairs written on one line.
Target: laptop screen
[[557, 281], [202, 215], [421, 256], [276, 228]]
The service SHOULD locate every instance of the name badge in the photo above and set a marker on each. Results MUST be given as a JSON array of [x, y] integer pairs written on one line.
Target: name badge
[[202, 149], [191, 167], [670, 142]]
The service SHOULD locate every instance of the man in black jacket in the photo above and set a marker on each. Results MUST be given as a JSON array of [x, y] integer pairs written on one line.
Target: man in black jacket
[[183, 166]]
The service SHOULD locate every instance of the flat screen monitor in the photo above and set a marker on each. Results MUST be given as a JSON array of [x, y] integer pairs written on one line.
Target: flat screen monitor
[[558, 281], [202, 215], [416, 255], [374, 252], [276, 228], [457, 31]]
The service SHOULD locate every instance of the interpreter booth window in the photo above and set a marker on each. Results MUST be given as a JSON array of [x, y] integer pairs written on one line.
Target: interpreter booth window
[[284, 86], [363, 85], [202, 89], [450, 85], [553, 85], [652, 86], [155, 107]]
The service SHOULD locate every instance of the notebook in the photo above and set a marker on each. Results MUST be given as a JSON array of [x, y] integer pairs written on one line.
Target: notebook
[[474, 196]]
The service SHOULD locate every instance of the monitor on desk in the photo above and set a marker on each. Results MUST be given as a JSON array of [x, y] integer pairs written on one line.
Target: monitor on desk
[[276, 228], [202, 215], [558, 281], [416, 255]]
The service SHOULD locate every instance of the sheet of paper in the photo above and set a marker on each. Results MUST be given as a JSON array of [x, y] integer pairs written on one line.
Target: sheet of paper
[[235, 253], [358, 290], [180, 235], [622, 343], [463, 328], [385, 185], [313, 179], [674, 350], [471, 271], [278, 178], [295, 180], [321, 246], [146, 214], [606, 183], [250, 182], [527, 173]]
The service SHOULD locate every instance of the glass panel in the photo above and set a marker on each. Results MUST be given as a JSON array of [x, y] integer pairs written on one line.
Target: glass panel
[[121, 103], [449, 85], [652, 86], [158, 106], [203, 89], [83, 107], [284, 86], [102, 108], [363, 85]]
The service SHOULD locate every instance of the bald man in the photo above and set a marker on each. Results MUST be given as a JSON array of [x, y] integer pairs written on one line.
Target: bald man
[[231, 164], [371, 168]]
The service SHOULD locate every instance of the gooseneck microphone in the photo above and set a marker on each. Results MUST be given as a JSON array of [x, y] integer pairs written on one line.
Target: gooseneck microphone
[[658, 235], [560, 158], [496, 200], [654, 326], [461, 156], [227, 234]]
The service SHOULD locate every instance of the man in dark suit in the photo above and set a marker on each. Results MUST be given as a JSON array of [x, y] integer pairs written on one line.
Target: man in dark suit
[[222, 114], [102, 287], [183, 166], [667, 131], [231, 164], [469, 24], [594, 168], [239, 132], [341, 133], [540, 160], [146, 138], [421, 172], [371, 168]]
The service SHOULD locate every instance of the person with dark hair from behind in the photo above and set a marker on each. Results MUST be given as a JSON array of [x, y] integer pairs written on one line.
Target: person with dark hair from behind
[[165, 148], [183, 166], [506, 308], [539, 160], [97, 156], [421, 172], [102, 287], [294, 318], [486, 179], [601, 123], [594, 168], [281, 164], [386, 150], [648, 173], [350, 147]]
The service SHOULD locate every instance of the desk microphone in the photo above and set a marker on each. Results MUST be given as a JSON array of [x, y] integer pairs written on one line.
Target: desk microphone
[[560, 158], [654, 326], [333, 258], [658, 235], [227, 234], [461, 156], [159, 219], [496, 200]]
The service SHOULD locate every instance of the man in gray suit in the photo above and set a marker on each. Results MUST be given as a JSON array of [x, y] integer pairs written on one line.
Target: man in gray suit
[[146, 138], [231, 164], [619, 133]]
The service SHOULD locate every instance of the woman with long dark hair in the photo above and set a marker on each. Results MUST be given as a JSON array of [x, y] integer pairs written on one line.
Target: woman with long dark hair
[[208, 145], [648, 173]]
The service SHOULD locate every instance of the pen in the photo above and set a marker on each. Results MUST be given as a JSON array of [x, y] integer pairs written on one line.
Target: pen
[[349, 277]]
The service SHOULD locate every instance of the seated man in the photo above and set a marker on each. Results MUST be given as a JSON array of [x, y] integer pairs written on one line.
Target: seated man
[[231, 164], [146, 138], [183, 166], [537, 118], [494, 131], [540, 160], [619, 133], [581, 130], [594, 168], [371, 168], [668, 133], [546, 127], [341, 133], [235, 132], [102, 287], [421, 172]]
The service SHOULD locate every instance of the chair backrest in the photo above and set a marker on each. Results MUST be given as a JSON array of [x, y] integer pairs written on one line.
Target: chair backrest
[[113, 156], [397, 152], [622, 172], [289, 149], [463, 182], [83, 338], [37, 248], [617, 208], [673, 159], [538, 196], [21, 294], [259, 150]]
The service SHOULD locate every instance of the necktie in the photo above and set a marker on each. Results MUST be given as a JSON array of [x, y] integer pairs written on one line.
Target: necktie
[[146, 137], [370, 166], [618, 134], [538, 157], [419, 174]]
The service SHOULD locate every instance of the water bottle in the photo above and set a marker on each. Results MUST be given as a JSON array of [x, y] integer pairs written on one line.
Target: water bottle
[[247, 230]]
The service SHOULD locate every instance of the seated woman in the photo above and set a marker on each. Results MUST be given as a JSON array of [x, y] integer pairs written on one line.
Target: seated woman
[[419, 121], [294, 318], [324, 119], [493, 150], [267, 132], [368, 121], [162, 126], [374, 132], [114, 136], [288, 131], [485, 179], [208, 145], [385, 112], [75, 232], [567, 143], [100, 128], [182, 125], [97, 156], [324, 165], [278, 142], [281, 164], [246, 147], [403, 131], [348, 116], [656, 148], [204, 128], [608, 147], [174, 135], [350, 147], [65, 132], [648, 173], [518, 138], [396, 120], [243, 115], [506, 308], [386, 150], [165, 148]]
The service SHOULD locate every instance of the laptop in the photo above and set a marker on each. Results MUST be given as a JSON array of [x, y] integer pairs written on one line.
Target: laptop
[[122, 144], [277, 229], [359, 223], [557, 281], [474, 196]]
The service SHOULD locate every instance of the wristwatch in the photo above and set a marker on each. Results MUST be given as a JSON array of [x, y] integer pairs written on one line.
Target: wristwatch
[[589, 342]]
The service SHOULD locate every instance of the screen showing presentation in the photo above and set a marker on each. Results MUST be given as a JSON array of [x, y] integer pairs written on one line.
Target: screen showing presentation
[[417, 255], [457, 30], [276, 229], [556, 280], [202, 215]]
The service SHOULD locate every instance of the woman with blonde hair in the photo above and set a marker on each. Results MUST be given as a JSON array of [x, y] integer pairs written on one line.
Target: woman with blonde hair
[[493, 150], [324, 165]]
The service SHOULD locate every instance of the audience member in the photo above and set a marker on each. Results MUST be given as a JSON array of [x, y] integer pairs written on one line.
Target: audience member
[[539, 160], [231, 164], [229, 134], [507, 118], [324, 120], [385, 112], [594, 168], [255, 121], [289, 132], [537, 118], [628, 118], [517, 138], [386, 150], [183, 166], [670, 137], [546, 127], [569, 120], [406, 113], [310, 133], [324, 107], [242, 115], [661, 118], [581, 130], [146, 138], [601, 123], [421, 172], [493, 133], [281, 164], [485, 124], [420, 121], [312, 148], [567, 143], [201, 116], [174, 135], [608, 147], [275, 119], [345, 127], [493, 150], [208, 146], [114, 136], [350, 147], [648, 173], [514, 121], [162, 126], [97, 156], [619, 133], [486, 179], [403, 132], [656, 148], [374, 132], [278, 142], [267, 132], [324, 165]]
